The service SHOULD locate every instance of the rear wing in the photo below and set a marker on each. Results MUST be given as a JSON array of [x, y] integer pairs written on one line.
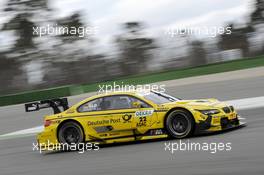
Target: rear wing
[[55, 104]]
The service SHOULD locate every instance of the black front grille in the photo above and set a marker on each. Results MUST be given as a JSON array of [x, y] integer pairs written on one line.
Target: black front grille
[[226, 110], [225, 123]]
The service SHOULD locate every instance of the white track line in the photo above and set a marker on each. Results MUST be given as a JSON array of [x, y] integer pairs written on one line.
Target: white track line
[[34, 130], [240, 104], [248, 103]]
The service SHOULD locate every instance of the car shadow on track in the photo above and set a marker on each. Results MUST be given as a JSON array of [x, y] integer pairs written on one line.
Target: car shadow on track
[[151, 141]]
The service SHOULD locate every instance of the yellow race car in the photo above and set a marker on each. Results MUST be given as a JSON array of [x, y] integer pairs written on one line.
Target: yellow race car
[[131, 116]]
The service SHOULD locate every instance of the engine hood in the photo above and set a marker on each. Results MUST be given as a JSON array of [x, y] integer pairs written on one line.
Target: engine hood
[[198, 103]]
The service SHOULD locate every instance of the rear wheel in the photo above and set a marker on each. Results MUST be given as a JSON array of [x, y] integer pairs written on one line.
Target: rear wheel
[[70, 133], [180, 124]]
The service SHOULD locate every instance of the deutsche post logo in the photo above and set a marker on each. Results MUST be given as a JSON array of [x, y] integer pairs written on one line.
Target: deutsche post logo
[[127, 118]]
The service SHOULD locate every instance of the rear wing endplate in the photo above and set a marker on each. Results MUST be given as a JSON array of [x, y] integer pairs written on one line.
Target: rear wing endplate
[[55, 104]]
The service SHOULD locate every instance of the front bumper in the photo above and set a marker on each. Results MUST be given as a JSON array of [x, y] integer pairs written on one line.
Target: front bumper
[[223, 123]]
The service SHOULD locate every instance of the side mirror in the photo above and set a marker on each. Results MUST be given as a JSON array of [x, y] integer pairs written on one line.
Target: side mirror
[[136, 104]]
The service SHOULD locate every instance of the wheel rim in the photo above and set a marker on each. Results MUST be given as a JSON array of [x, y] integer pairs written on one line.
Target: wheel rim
[[71, 135], [180, 124]]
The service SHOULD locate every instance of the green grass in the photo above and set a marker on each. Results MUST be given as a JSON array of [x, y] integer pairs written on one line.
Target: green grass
[[183, 73], [132, 80]]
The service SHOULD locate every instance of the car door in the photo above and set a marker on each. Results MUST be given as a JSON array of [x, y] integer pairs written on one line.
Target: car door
[[109, 116], [128, 118], [96, 118], [122, 114], [144, 117]]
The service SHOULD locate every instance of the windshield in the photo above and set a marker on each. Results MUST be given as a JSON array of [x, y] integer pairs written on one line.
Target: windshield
[[159, 97]]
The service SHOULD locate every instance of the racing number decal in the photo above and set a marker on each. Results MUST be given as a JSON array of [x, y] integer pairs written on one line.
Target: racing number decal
[[143, 117], [142, 121]]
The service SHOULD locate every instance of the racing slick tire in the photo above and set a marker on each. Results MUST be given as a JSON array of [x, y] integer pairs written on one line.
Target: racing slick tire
[[71, 133], [180, 123]]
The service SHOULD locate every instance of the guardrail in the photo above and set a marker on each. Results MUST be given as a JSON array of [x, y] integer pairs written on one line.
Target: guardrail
[[39, 95]]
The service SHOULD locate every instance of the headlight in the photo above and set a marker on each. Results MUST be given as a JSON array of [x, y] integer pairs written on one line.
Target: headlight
[[232, 108], [209, 111]]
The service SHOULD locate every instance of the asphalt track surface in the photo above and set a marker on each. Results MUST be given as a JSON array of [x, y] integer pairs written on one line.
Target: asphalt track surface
[[245, 157]]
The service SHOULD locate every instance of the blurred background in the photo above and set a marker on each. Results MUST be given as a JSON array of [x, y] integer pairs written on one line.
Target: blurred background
[[130, 37]]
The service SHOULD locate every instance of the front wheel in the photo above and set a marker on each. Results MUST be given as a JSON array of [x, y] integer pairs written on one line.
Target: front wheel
[[70, 133], [180, 124]]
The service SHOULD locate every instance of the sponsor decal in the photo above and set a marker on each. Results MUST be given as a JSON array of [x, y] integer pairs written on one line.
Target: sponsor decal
[[162, 109], [144, 113], [156, 132], [127, 118], [99, 129], [57, 121], [104, 122]]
